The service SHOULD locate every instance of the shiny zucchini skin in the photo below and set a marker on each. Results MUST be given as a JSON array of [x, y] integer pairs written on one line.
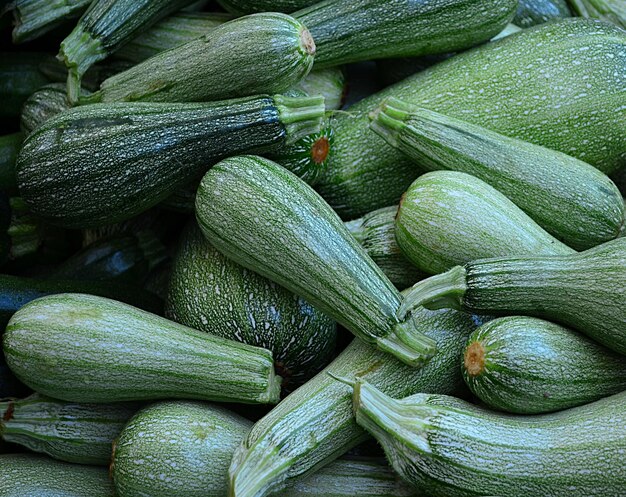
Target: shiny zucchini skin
[[34, 18], [9, 148], [578, 85], [99, 164], [526, 365], [83, 348], [20, 76], [448, 447], [532, 12]]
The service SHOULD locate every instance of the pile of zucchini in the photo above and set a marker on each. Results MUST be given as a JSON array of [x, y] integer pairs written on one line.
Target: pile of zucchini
[[201, 201]]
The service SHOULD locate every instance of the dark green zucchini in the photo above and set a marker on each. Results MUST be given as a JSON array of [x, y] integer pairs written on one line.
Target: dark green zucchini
[[532, 12], [295, 239], [9, 149], [20, 76], [251, 6], [71, 432], [526, 365], [34, 18], [613, 11], [99, 164]]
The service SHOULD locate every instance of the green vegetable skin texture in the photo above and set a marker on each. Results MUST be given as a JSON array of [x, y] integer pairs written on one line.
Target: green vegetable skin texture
[[527, 365], [231, 60], [448, 447], [567, 197], [606, 10], [268, 220], [71, 432], [559, 85], [9, 148], [26, 475], [315, 424], [211, 293], [353, 30], [250, 6], [177, 449], [46, 102], [20, 76], [34, 18], [532, 12], [100, 164], [89, 349]]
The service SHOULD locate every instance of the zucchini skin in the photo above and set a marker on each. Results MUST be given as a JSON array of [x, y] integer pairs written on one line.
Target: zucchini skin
[[9, 148], [527, 365], [353, 30], [100, 164], [449, 447], [67, 431], [191, 461], [20, 76], [365, 173], [106, 351], [532, 12], [34, 18]]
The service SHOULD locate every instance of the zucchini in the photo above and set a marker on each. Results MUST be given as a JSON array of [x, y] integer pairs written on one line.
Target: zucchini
[[27, 475], [211, 293], [584, 291], [526, 365], [532, 12], [567, 197], [251, 6], [448, 218], [151, 149], [46, 102], [330, 83], [83, 348], [34, 18], [20, 76], [542, 98], [78, 433], [191, 461], [446, 446], [353, 30], [314, 425], [212, 67], [9, 148], [606, 10], [295, 239]]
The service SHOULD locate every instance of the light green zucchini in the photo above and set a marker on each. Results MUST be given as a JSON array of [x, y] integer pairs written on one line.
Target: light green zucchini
[[34, 18], [606, 10], [533, 12], [449, 447], [71, 432], [544, 85], [100, 164], [331, 83], [250, 6], [527, 365], [570, 199], [270, 221], [84, 348], [9, 149]]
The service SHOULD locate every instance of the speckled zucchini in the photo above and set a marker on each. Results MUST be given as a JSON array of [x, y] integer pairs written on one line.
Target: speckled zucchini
[[20, 76], [34, 18], [250, 6], [100, 164], [9, 149], [78, 433], [448, 447], [533, 12], [106, 351], [606, 10], [527, 365], [567, 197], [578, 110], [310, 252]]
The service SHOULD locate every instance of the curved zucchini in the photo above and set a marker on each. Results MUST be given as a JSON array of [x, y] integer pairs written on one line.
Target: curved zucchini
[[78, 433], [526, 365], [83, 348], [567, 197], [545, 104], [9, 148], [445, 446], [251, 6], [99, 164], [295, 239], [20, 76], [532, 12], [34, 18], [606, 10]]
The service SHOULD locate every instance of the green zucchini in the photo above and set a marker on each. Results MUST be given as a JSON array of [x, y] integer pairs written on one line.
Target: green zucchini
[[71, 432], [34, 18], [330, 83], [447, 218], [251, 6], [295, 239], [507, 86], [606, 10], [212, 67], [532, 12], [314, 425], [526, 365], [584, 291], [190, 461], [9, 149], [27, 475], [211, 293], [20, 76], [103, 163], [84, 348], [567, 197], [449, 447], [353, 30]]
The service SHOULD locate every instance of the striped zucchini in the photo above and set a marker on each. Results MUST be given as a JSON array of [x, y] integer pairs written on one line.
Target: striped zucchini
[[606, 10], [268, 220], [83, 348], [573, 104], [20, 76], [533, 12], [78, 433], [567, 197], [448, 218], [34, 18], [526, 365], [9, 149], [250, 6], [449, 447], [103, 163], [354, 30]]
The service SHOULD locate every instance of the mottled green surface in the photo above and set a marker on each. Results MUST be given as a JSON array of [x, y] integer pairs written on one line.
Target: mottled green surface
[[34, 18]]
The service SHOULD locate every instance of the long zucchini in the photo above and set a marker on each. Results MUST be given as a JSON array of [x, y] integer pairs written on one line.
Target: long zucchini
[[9, 149], [83, 348], [533, 12], [103, 163], [34, 18]]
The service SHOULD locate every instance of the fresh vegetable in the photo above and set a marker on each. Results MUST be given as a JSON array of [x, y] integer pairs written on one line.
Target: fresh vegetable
[[533, 12], [606, 10], [46, 102], [9, 148], [20, 76], [330, 83], [34, 18]]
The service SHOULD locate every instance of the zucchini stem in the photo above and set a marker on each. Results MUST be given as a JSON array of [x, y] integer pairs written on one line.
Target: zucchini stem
[[408, 344], [389, 118], [301, 116]]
